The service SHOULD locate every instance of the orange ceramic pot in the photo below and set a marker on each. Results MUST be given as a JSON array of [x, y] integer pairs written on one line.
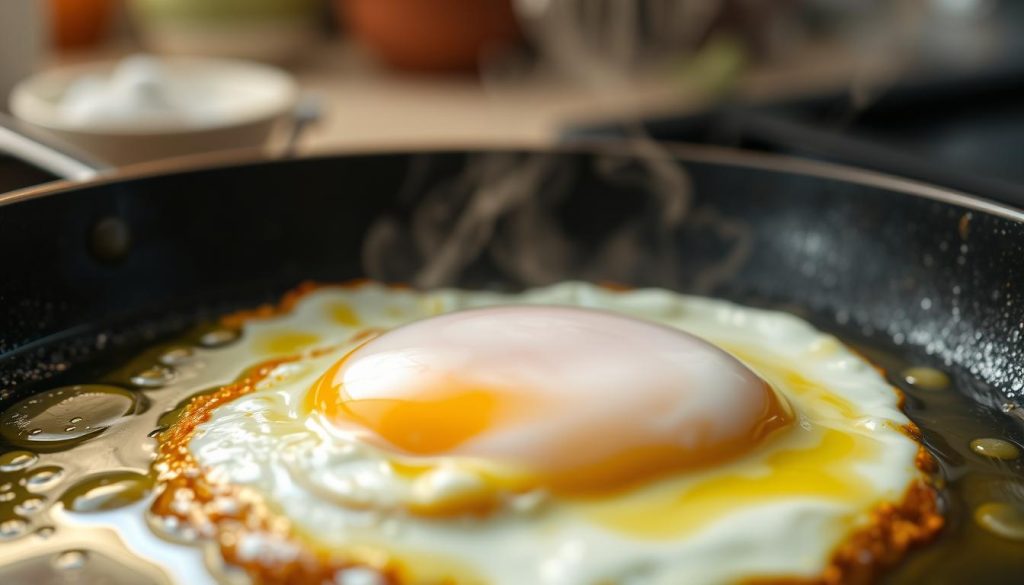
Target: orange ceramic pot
[[430, 35], [79, 23]]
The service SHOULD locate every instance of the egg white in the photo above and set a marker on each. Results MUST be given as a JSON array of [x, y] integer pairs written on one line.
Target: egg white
[[341, 495]]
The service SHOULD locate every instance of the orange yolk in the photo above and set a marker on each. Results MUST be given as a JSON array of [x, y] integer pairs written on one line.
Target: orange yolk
[[433, 423], [553, 427]]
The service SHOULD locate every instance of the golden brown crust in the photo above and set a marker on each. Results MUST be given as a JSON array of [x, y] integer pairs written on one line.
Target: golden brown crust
[[182, 481], [893, 531], [238, 318]]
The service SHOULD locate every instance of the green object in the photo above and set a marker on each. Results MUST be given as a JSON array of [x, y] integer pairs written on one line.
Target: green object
[[107, 491], [225, 11], [717, 65]]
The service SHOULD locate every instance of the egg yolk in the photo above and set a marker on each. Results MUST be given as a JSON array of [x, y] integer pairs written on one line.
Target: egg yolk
[[576, 400]]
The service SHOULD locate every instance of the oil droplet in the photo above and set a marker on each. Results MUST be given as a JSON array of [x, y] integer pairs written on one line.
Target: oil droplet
[[75, 420], [70, 560], [41, 423], [177, 356], [153, 377], [13, 528], [995, 448], [17, 460], [29, 506], [44, 478], [926, 378], [106, 491], [45, 531], [218, 338], [1001, 519]]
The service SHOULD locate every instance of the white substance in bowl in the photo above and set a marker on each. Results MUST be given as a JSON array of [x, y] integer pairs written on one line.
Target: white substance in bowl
[[147, 108], [142, 92], [145, 94]]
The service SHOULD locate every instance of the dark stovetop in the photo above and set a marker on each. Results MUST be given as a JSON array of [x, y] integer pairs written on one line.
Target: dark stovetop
[[964, 132]]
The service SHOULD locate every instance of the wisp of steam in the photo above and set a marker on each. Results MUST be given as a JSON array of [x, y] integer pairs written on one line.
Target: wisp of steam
[[508, 208]]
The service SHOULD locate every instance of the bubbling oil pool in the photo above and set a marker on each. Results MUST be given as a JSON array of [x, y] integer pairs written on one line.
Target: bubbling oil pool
[[76, 451], [83, 449]]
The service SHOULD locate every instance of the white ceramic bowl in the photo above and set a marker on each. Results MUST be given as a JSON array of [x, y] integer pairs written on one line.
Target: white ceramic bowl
[[253, 100]]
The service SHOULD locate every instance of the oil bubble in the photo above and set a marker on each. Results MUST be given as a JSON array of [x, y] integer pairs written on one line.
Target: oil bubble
[[41, 423], [153, 377], [44, 478], [1001, 519], [218, 338], [926, 378], [995, 448], [17, 460], [29, 506], [13, 528], [177, 356], [106, 491], [45, 532], [70, 560]]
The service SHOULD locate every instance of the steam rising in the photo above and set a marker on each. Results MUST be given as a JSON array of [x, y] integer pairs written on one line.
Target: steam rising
[[510, 209]]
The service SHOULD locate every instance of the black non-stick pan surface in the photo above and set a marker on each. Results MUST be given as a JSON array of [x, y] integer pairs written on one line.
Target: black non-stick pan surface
[[917, 275]]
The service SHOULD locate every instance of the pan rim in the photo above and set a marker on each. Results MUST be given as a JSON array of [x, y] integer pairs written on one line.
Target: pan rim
[[630, 147]]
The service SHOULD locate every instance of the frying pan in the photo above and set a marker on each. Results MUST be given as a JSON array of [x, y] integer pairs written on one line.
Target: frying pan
[[914, 274]]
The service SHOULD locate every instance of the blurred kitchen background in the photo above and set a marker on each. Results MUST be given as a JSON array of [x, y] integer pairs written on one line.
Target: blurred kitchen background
[[929, 89]]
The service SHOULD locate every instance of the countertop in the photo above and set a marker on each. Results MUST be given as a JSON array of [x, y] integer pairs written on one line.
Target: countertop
[[367, 105]]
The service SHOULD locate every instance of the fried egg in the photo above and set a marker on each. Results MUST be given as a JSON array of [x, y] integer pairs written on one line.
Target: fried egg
[[572, 434]]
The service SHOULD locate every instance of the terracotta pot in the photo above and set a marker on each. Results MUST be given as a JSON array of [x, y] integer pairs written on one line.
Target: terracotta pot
[[430, 34], [79, 23]]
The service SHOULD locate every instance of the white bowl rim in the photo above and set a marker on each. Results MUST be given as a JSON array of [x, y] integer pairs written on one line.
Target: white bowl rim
[[27, 104]]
